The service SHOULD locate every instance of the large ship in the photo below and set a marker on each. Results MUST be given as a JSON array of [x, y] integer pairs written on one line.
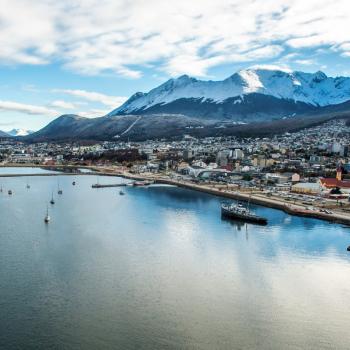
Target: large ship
[[239, 212]]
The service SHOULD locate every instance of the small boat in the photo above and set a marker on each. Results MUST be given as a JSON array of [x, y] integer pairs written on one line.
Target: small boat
[[47, 216], [73, 183], [1, 189], [348, 248], [59, 191], [239, 212], [9, 192], [121, 193], [28, 186], [52, 201]]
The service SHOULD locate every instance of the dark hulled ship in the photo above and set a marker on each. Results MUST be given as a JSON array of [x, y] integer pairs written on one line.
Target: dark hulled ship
[[239, 212]]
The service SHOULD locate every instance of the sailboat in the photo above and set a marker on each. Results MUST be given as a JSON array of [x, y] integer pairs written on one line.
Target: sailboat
[[52, 201], [1, 189], [59, 191], [47, 216]]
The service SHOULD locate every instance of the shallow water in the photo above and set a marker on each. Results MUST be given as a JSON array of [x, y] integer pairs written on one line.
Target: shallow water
[[159, 269]]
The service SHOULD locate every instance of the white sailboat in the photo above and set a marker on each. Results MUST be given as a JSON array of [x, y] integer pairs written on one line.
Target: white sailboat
[[47, 216]]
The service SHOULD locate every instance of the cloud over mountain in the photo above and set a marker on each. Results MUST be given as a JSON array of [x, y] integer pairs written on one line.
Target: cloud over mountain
[[124, 37], [26, 108]]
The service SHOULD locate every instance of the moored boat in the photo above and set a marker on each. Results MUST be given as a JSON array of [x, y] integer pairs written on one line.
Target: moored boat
[[239, 212], [47, 216], [52, 201], [59, 191]]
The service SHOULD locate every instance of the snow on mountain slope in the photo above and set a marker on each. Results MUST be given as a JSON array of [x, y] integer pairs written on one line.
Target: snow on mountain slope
[[19, 132], [314, 89]]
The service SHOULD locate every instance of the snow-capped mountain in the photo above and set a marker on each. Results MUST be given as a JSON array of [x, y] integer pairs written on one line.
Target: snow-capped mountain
[[250, 102], [305, 90], [19, 132]]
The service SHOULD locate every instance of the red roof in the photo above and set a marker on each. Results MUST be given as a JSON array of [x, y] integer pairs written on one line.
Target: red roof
[[331, 182]]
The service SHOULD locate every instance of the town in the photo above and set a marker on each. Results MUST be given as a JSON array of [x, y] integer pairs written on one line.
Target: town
[[305, 171]]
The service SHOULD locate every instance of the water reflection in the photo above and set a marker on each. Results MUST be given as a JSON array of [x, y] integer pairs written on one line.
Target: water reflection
[[158, 268]]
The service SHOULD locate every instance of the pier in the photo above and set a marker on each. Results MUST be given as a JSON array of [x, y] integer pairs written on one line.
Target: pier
[[108, 185]]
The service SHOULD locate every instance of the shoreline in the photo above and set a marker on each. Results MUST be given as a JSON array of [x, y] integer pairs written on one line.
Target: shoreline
[[259, 199]]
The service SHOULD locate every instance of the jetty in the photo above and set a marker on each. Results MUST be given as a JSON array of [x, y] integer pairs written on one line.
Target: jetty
[[108, 185]]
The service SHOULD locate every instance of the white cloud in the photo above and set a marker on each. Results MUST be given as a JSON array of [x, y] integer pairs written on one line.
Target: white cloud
[[27, 109], [305, 62], [120, 36], [93, 113], [283, 68], [107, 100], [63, 104]]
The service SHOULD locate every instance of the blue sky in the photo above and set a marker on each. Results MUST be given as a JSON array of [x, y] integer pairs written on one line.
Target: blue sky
[[88, 56]]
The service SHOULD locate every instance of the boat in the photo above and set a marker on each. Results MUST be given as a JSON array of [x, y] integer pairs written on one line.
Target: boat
[[9, 192], [59, 191], [121, 193], [242, 213], [73, 183], [52, 201], [47, 216], [348, 248], [1, 189]]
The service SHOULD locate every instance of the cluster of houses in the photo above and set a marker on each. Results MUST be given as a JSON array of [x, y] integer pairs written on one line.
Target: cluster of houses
[[305, 161]]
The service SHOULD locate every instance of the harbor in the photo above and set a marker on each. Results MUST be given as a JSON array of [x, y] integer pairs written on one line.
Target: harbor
[[337, 215], [102, 251]]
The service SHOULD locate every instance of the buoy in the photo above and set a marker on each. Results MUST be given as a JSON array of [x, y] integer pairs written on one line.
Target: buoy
[[348, 249]]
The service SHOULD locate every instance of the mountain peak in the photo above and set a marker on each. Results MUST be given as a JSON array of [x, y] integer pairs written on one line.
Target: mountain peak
[[319, 76], [315, 89], [19, 132]]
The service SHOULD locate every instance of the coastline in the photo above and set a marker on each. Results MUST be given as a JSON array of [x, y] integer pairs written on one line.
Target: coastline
[[292, 209], [259, 199]]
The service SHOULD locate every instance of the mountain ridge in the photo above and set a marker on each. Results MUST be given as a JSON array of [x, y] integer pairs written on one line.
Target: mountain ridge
[[314, 89], [268, 98], [145, 127]]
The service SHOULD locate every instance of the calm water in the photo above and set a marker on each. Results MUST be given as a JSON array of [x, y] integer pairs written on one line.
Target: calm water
[[159, 269], [14, 170]]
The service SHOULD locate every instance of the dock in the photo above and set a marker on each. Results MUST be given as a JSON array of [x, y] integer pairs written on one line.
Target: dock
[[107, 185]]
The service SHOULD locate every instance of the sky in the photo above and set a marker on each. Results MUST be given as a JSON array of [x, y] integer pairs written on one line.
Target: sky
[[88, 56]]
